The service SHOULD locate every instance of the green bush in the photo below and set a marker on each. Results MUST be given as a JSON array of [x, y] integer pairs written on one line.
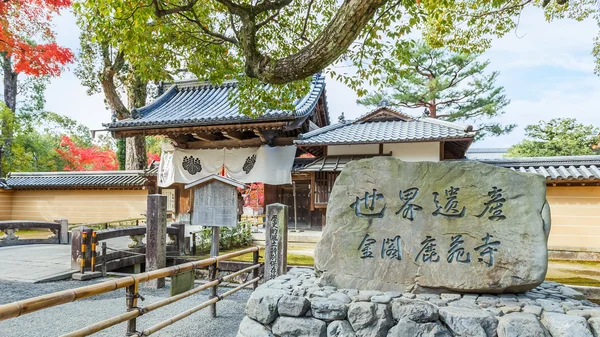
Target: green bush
[[239, 236]]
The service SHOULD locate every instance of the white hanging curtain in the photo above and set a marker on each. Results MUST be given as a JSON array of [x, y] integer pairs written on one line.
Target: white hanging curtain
[[269, 165]]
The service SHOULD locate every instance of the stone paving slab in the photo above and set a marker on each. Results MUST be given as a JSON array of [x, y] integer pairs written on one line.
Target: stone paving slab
[[41, 263]]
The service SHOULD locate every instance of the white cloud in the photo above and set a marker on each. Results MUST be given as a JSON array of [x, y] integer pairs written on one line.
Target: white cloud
[[577, 98]]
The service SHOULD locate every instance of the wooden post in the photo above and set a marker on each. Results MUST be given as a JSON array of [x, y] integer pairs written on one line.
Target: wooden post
[[104, 259], [214, 273], [83, 257], [255, 257], [131, 301], [156, 237], [93, 263], [193, 244], [276, 233]]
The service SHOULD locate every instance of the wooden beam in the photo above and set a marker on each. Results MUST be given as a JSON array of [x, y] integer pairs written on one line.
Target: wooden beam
[[253, 142], [180, 141], [260, 135], [167, 131], [204, 136], [232, 134]]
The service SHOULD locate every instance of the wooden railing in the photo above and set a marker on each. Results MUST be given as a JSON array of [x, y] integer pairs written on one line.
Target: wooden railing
[[111, 224], [123, 258], [59, 229], [24, 307]]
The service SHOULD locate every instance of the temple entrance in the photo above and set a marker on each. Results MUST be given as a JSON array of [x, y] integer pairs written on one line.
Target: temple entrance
[[302, 204]]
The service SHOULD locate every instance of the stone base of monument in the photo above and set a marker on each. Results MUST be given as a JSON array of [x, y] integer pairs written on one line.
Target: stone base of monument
[[296, 305]]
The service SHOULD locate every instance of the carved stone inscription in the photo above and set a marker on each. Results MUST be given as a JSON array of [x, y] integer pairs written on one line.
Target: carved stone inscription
[[463, 226]]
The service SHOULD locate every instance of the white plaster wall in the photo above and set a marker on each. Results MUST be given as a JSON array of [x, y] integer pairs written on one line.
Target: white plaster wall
[[340, 150], [423, 151]]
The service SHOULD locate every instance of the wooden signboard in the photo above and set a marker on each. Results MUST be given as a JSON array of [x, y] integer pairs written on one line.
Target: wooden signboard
[[215, 202]]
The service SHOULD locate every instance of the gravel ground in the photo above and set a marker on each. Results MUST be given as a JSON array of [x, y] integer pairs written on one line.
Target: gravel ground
[[68, 317]]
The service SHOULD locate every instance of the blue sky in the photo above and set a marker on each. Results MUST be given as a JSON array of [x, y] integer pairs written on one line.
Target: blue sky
[[545, 68]]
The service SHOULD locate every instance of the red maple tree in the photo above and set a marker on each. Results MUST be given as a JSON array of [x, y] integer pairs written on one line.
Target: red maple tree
[[86, 158], [27, 38], [254, 196], [153, 157]]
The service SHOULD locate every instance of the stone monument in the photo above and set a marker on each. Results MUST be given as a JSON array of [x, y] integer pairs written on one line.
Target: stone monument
[[449, 249], [460, 226]]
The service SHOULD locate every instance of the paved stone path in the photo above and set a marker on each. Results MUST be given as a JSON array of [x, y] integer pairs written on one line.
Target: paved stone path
[[41, 263]]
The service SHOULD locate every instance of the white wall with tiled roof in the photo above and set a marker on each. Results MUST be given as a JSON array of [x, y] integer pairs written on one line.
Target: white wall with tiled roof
[[422, 151]]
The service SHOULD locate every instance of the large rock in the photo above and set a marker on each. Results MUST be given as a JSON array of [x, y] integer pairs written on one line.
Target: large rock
[[251, 328], [416, 311], [299, 327], [262, 304], [520, 325], [470, 227], [340, 329], [294, 306], [561, 325], [469, 322], [328, 309], [406, 328]]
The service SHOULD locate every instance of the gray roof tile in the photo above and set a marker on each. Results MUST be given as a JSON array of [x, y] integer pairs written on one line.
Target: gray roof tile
[[187, 103], [78, 179], [552, 168], [385, 132]]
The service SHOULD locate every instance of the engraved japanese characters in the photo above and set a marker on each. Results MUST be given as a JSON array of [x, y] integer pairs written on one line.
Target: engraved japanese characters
[[462, 226]]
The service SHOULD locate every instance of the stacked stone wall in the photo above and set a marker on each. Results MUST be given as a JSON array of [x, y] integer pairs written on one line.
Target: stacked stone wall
[[295, 305]]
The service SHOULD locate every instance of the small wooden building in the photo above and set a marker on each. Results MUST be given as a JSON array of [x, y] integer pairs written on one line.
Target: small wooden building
[[198, 116]]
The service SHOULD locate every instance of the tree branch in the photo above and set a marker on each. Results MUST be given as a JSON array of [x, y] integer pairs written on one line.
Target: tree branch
[[206, 31], [107, 80], [164, 12]]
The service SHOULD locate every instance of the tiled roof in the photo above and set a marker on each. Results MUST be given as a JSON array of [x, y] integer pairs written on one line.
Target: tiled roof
[[3, 184], [186, 104], [554, 168], [486, 153], [328, 163], [423, 129], [72, 179]]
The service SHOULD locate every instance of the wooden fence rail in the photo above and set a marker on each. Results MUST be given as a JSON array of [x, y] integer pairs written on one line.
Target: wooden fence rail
[[27, 306]]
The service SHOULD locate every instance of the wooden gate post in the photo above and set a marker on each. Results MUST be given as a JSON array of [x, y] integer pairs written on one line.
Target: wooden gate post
[[156, 237], [276, 234]]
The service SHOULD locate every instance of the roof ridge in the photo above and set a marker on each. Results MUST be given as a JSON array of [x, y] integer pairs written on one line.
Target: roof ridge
[[322, 130], [67, 173], [458, 126]]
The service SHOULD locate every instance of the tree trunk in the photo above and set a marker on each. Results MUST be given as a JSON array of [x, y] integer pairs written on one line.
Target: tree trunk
[[10, 99], [135, 153], [432, 109], [136, 146]]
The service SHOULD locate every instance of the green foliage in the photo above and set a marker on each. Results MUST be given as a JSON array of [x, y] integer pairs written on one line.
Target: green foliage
[[211, 39], [452, 86], [121, 153], [236, 237], [36, 137], [557, 137]]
